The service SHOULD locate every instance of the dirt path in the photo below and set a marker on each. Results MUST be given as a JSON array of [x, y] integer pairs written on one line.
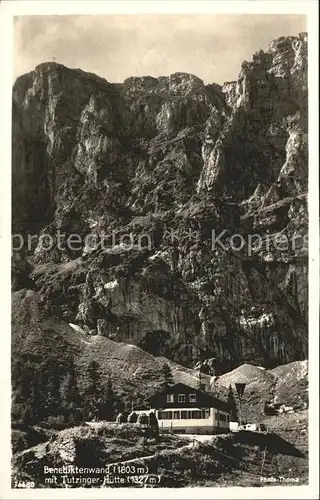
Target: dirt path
[[147, 457], [201, 438]]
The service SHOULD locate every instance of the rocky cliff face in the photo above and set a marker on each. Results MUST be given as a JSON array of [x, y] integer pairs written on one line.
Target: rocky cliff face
[[189, 202]]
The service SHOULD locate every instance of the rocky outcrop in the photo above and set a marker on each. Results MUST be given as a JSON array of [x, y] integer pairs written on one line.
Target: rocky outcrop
[[264, 141], [285, 385], [188, 202]]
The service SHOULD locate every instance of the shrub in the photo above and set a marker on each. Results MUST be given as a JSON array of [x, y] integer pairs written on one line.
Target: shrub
[[153, 422], [20, 413], [143, 419], [233, 405], [121, 418], [132, 418], [19, 440], [53, 420]]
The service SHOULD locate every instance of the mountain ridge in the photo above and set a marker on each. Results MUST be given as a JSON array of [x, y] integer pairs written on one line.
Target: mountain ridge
[[174, 159]]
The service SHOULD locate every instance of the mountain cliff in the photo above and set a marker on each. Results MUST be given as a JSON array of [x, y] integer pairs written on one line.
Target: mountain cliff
[[186, 204]]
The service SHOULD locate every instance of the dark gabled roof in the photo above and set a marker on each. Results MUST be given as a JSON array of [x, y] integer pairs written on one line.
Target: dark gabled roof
[[207, 399]]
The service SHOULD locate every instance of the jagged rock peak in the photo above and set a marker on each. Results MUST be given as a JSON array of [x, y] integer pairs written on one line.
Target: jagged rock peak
[[269, 104], [175, 84], [54, 67]]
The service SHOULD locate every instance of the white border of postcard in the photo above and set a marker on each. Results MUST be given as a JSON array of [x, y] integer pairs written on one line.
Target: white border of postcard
[[9, 9]]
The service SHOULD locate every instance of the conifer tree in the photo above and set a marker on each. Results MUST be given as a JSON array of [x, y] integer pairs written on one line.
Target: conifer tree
[[72, 402], [22, 392], [153, 423], [47, 389], [232, 404], [109, 404], [27, 401], [92, 391], [167, 375]]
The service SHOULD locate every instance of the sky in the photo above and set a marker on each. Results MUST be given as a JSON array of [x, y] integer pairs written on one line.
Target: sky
[[210, 46]]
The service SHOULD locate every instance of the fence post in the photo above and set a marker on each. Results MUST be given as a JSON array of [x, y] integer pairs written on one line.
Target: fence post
[[263, 460]]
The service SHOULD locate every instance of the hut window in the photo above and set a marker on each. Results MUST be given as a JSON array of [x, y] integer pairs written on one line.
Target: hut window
[[165, 415], [206, 413], [170, 398], [196, 414]]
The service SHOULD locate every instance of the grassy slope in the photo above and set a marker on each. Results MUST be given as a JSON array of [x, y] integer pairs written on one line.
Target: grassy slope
[[286, 384], [233, 459], [89, 446], [135, 373], [292, 427]]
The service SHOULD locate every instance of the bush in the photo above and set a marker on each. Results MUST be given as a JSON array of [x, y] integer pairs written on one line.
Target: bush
[[143, 419], [132, 418], [121, 418], [53, 420], [153, 421], [21, 413]]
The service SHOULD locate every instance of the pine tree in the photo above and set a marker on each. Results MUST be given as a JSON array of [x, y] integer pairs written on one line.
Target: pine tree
[[153, 423], [47, 390], [232, 404], [92, 391], [36, 387], [93, 372], [109, 404], [25, 406], [167, 375], [72, 402]]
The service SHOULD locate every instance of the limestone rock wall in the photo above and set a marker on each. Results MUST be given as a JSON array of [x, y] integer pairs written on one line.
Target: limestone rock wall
[[165, 162]]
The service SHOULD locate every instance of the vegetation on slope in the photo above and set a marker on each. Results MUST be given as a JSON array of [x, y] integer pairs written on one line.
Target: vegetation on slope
[[233, 459]]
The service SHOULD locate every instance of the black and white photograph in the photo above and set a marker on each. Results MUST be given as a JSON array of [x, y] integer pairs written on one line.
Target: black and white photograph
[[160, 252]]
